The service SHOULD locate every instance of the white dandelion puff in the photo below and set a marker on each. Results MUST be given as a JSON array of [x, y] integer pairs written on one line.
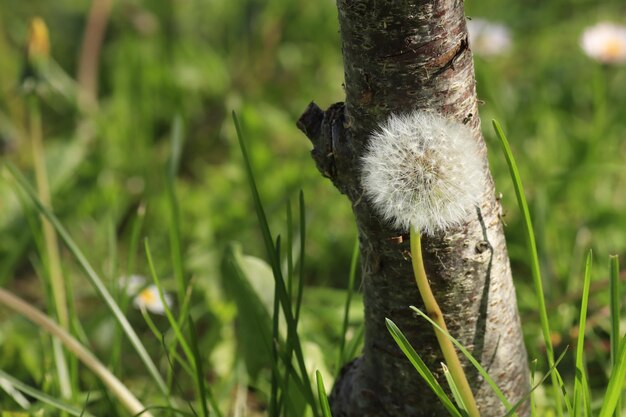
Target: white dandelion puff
[[605, 42], [424, 171], [488, 38]]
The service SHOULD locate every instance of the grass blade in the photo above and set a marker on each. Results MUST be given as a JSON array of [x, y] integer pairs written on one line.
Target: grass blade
[[274, 403], [173, 211], [43, 397], [275, 263], [616, 381], [614, 293], [301, 259], [470, 357], [203, 390], [421, 367], [168, 312], [533, 259], [321, 393], [346, 312], [580, 383], [537, 385], [113, 384], [456, 394], [93, 277]]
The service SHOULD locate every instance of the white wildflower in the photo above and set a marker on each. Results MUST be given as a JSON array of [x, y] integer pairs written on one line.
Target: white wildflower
[[605, 42], [149, 299], [424, 171], [488, 38], [132, 284]]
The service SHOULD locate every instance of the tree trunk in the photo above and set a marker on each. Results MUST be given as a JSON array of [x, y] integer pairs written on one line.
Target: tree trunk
[[400, 56]]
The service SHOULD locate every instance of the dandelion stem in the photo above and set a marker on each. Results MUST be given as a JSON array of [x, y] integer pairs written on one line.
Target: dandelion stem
[[434, 312]]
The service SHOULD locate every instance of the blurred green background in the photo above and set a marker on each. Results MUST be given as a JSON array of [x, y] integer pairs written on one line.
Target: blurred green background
[[266, 60]]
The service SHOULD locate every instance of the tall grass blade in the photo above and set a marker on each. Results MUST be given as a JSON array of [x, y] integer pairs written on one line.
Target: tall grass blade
[[113, 384], [356, 342], [203, 390], [301, 259], [93, 277], [174, 216], [168, 312], [275, 263], [533, 259], [321, 393], [456, 394], [615, 306], [274, 403], [346, 312], [616, 382], [533, 404], [469, 357], [43, 397], [421, 367], [522, 400], [580, 383]]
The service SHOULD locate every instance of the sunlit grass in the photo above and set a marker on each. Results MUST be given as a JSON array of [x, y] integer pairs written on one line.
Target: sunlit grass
[[159, 159]]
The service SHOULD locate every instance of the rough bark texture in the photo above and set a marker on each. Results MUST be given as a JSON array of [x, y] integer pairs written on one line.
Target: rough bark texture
[[400, 56]]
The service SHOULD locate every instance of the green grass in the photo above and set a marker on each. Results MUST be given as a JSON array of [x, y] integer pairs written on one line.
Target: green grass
[[257, 309]]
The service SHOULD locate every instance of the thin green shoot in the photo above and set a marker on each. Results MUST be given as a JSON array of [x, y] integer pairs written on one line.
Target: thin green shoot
[[456, 394], [93, 277], [165, 408], [321, 393], [274, 403], [346, 312], [203, 390], [51, 253], [302, 208], [469, 357], [192, 356], [432, 307], [166, 309], [615, 308], [119, 390], [522, 400], [43, 397], [160, 336], [421, 367], [356, 342], [300, 287], [173, 210], [533, 403], [616, 382], [534, 261], [275, 264], [580, 383]]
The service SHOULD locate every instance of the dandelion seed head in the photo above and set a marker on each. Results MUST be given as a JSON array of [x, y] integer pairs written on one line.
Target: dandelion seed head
[[424, 171]]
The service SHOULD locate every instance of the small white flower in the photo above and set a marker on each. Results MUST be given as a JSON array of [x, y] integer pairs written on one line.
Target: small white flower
[[605, 42], [488, 38], [424, 171], [149, 299], [132, 284]]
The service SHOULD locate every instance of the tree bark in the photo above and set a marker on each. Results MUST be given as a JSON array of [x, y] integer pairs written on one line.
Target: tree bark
[[400, 56]]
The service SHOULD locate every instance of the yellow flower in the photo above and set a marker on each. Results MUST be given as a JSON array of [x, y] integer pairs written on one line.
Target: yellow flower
[[38, 46], [605, 42]]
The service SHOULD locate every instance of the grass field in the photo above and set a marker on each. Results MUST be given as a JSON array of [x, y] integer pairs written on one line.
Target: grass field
[[149, 180]]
